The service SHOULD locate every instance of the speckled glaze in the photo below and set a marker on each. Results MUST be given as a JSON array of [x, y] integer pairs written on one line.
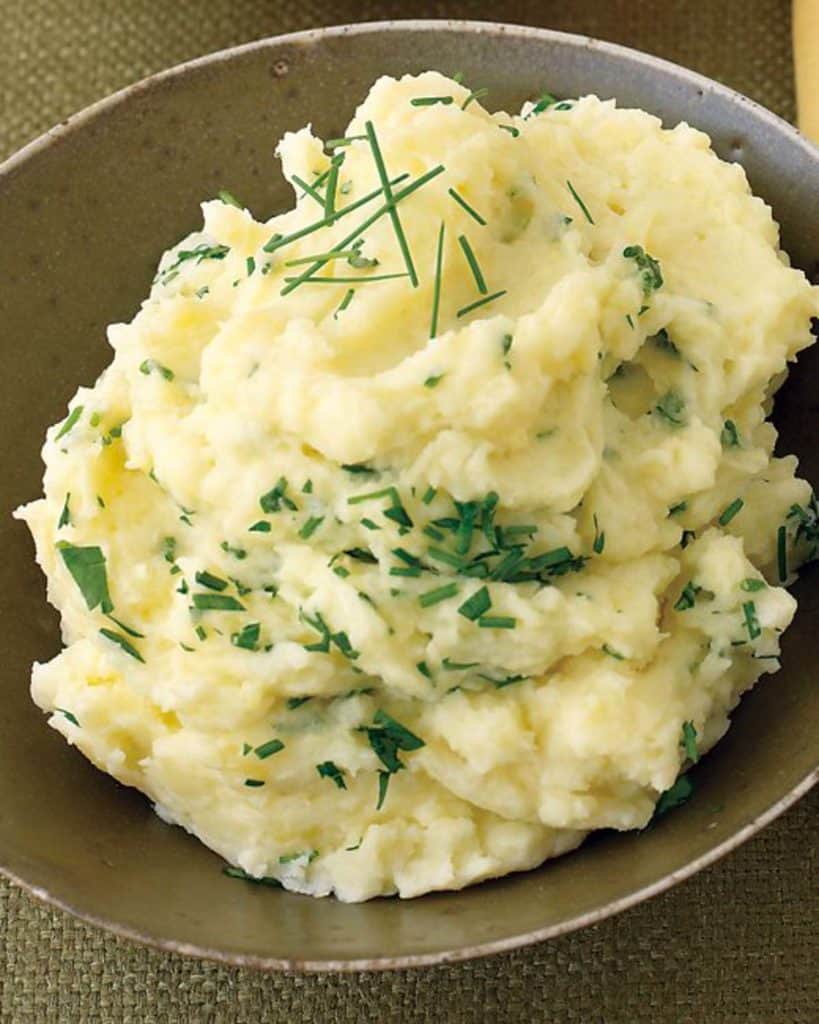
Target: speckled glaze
[[85, 212]]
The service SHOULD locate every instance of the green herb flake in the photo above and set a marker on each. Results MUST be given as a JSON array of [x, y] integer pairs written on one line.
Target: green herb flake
[[612, 653], [436, 287], [229, 198], [474, 266], [688, 742], [688, 597], [429, 101], [123, 643], [265, 750], [599, 542], [210, 581], [651, 276], [671, 408], [383, 786], [310, 527], [247, 637], [72, 718], [729, 436], [262, 526], [87, 567], [732, 510], [217, 603], [480, 302], [65, 515], [267, 880], [429, 495], [514, 132], [423, 668], [433, 382], [254, 783], [345, 302], [474, 606], [148, 366], [360, 469], [330, 770], [674, 796], [362, 555], [70, 422], [276, 497], [681, 506], [579, 202], [751, 585]]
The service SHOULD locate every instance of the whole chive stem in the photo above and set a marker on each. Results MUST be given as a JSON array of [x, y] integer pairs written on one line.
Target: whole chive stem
[[388, 194], [330, 191], [471, 259], [480, 302], [436, 288], [281, 240], [459, 199], [380, 212], [579, 202], [476, 94], [361, 279], [345, 302], [325, 257], [309, 190]]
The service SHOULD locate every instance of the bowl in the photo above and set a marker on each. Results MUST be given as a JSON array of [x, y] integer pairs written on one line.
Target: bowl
[[86, 210]]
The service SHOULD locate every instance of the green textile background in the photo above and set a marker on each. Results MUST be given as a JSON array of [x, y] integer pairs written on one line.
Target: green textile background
[[737, 943]]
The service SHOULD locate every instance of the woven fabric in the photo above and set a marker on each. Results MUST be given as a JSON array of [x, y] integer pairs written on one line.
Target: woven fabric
[[735, 944]]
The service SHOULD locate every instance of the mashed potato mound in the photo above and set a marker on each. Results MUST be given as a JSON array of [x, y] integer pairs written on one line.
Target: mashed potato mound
[[408, 566]]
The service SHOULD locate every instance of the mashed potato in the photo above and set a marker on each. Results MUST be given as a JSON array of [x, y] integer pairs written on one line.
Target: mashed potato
[[407, 566]]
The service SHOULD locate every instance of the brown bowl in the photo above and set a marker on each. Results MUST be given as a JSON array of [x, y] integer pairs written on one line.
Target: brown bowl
[[86, 210]]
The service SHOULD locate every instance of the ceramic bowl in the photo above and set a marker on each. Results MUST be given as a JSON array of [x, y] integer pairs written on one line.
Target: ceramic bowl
[[85, 212]]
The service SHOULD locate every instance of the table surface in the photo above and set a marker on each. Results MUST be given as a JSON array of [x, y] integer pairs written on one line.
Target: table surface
[[738, 942]]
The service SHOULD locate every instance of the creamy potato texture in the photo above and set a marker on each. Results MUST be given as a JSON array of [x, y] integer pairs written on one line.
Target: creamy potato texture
[[408, 566]]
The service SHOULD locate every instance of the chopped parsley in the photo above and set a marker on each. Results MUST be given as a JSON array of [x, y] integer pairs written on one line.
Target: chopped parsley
[[651, 276], [330, 770], [751, 584], [674, 796], [471, 259], [275, 498], [87, 567]]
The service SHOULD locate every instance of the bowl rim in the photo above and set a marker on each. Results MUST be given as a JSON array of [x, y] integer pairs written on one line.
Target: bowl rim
[[10, 166]]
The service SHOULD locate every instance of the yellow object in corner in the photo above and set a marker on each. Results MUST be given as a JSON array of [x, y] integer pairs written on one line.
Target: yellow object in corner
[[806, 65]]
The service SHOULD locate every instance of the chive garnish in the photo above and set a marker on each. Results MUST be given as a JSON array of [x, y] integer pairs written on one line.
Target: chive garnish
[[122, 642], [612, 653], [383, 785], [436, 288], [474, 606], [229, 198], [599, 537], [87, 567], [345, 302], [688, 742], [447, 557], [429, 101], [72, 718], [265, 750], [232, 872], [310, 527], [671, 408], [459, 199], [751, 621], [675, 796], [368, 524], [729, 436], [688, 597], [70, 421], [330, 770], [388, 195], [248, 637], [514, 132], [458, 666], [210, 581], [782, 553], [346, 140], [262, 526], [65, 515], [651, 275], [309, 190], [362, 468], [277, 241], [681, 506], [254, 783], [728, 513], [273, 500], [296, 702], [476, 94], [431, 597], [579, 202], [751, 584], [429, 495], [360, 279], [480, 302], [434, 381], [463, 241], [217, 603], [423, 668], [497, 622]]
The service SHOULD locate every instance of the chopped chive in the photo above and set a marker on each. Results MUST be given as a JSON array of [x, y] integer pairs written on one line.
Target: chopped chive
[[432, 382], [248, 637], [476, 94], [229, 198], [232, 872], [671, 408], [296, 702], [277, 241], [307, 487], [497, 622], [210, 581], [651, 276], [447, 557], [688, 742], [436, 288], [385, 492], [70, 421], [127, 629], [430, 531], [782, 553], [65, 515], [323, 257], [368, 524], [681, 506], [309, 190], [459, 199], [273, 499], [752, 584], [474, 606], [463, 241], [728, 513], [388, 195], [347, 140], [431, 597], [629, 321], [544, 102], [423, 668], [383, 784], [217, 603], [612, 653], [599, 538], [361, 468], [148, 365], [265, 750], [429, 495], [514, 132], [579, 202], [122, 642], [329, 770], [345, 302], [751, 621], [72, 718], [429, 101], [262, 526], [411, 571], [310, 527], [330, 191], [480, 302], [254, 783]]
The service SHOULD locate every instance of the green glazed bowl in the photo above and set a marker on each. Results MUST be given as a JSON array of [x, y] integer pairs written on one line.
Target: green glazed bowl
[[85, 212]]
